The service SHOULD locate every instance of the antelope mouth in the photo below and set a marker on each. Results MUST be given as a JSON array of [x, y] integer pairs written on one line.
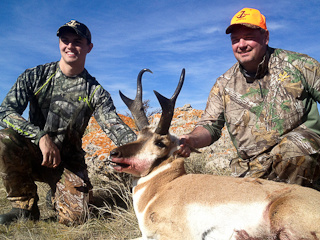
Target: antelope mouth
[[116, 164], [123, 165]]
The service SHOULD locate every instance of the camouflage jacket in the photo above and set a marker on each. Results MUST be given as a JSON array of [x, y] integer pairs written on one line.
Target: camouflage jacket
[[61, 106], [259, 111]]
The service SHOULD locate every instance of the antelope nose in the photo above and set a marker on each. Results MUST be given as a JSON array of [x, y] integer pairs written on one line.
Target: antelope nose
[[115, 153]]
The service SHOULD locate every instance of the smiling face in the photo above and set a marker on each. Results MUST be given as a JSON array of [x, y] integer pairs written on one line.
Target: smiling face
[[249, 46], [74, 50]]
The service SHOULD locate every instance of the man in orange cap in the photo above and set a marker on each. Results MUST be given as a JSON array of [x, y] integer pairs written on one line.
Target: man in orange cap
[[268, 102]]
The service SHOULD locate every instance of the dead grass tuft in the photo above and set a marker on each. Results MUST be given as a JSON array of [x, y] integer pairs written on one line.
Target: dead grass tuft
[[111, 217]]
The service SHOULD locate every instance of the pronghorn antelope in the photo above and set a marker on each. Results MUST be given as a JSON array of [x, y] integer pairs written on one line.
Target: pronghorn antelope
[[170, 204]]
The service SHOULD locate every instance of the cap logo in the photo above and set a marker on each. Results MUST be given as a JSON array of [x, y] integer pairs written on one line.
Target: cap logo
[[242, 14], [73, 23]]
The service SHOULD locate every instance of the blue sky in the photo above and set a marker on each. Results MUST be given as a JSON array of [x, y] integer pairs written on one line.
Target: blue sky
[[164, 36]]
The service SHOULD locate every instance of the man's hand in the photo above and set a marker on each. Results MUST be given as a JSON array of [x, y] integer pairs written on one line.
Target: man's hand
[[198, 138], [50, 152], [185, 145]]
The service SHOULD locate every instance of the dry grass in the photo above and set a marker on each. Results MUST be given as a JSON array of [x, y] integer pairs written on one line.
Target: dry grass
[[111, 217], [202, 164]]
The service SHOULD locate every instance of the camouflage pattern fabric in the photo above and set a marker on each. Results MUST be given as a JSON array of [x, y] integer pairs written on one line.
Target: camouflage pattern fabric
[[20, 167], [61, 107], [263, 114], [72, 197], [293, 161], [16, 156]]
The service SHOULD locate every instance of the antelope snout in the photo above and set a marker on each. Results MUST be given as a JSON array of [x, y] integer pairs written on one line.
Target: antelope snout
[[115, 153]]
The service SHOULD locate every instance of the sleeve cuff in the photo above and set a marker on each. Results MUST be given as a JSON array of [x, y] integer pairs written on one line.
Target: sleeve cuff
[[214, 132], [39, 135]]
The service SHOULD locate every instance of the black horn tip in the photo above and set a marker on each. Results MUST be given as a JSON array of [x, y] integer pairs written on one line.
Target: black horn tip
[[144, 70], [148, 70]]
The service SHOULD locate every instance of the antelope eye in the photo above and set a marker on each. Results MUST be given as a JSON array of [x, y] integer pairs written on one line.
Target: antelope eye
[[160, 144]]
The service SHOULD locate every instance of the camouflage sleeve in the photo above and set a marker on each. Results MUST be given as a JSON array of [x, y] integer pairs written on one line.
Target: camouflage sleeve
[[310, 69], [14, 105], [307, 69], [213, 118], [110, 122]]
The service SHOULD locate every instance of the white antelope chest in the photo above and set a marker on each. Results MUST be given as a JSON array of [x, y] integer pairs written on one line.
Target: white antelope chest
[[223, 221]]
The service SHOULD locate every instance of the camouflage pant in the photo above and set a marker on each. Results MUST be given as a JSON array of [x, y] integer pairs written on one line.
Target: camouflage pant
[[20, 167], [294, 160]]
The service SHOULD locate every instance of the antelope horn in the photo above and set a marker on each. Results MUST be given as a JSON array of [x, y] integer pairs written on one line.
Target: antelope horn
[[136, 106], [167, 106]]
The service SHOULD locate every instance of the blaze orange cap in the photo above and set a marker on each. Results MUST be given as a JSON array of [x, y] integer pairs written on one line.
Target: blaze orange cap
[[249, 17]]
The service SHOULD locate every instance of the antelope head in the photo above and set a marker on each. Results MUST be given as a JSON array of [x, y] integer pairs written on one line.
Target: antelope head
[[153, 145]]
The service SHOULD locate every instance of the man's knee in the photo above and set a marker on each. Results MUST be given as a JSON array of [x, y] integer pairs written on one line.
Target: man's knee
[[9, 150], [301, 142], [16, 151], [11, 142], [5, 140]]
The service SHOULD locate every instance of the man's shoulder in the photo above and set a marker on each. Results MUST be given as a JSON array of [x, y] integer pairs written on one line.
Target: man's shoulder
[[289, 55], [298, 60], [229, 73], [92, 83], [89, 77], [47, 67]]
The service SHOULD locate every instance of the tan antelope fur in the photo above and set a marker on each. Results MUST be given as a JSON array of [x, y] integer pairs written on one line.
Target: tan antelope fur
[[173, 205]]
